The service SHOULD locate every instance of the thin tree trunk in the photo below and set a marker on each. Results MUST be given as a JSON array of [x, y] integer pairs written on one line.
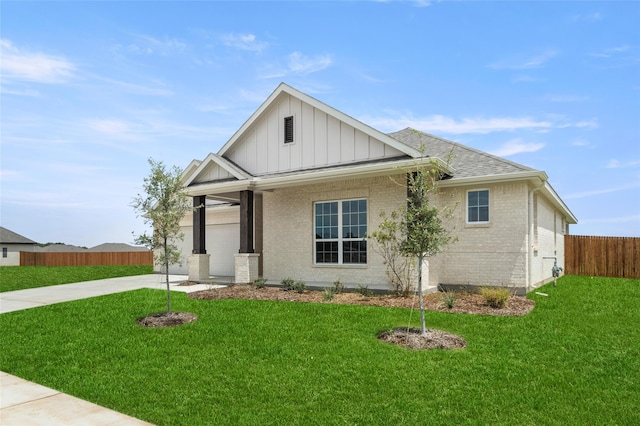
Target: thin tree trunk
[[166, 272], [423, 324]]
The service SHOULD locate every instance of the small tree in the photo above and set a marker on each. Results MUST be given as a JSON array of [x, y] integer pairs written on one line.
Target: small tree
[[406, 238], [163, 205], [421, 224]]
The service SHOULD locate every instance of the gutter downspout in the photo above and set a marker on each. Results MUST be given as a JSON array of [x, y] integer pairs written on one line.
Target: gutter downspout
[[529, 275]]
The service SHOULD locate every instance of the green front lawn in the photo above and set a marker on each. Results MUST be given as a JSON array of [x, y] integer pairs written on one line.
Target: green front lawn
[[574, 360], [23, 277]]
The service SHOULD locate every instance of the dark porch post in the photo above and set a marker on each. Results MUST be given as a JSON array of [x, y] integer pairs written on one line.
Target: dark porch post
[[199, 225], [246, 222]]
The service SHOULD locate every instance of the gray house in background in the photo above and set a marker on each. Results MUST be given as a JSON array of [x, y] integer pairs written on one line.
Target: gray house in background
[[12, 244]]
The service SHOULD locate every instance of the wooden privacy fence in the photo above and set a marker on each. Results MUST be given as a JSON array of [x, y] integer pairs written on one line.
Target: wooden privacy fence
[[616, 257], [86, 258]]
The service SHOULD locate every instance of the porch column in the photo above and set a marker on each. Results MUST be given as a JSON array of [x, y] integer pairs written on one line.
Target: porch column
[[246, 261], [198, 262], [246, 222], [199, 225]]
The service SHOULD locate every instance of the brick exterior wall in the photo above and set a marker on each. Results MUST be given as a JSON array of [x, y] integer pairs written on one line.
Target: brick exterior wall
[[288, 229]]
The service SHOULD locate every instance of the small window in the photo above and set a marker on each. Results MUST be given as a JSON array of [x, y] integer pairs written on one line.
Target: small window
[[478, 206], [4, 252], [288, 129], [340, 230]]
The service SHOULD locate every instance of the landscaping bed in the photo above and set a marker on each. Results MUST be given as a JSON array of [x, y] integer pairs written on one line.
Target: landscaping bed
[[465, 303]]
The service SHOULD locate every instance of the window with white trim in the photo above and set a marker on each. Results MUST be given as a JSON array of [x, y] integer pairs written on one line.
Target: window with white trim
[[340, 229], [5, 252], [478, 206]]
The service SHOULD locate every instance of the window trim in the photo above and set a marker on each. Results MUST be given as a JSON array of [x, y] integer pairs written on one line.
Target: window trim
[[478, 222], [340, 240], [5, 252]]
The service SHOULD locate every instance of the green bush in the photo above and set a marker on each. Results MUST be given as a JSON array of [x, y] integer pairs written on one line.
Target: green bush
[[364, 291], [328, 294], [300, 287], [338, 287], [496, 297], [287, 284], [448, 298], [259, 282]]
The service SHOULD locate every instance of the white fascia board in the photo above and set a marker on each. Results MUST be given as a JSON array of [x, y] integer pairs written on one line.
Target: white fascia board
[[213, 158], [283, 87], [189, 170], [212, 188], [555, 199], [360, 171], [510, 177]]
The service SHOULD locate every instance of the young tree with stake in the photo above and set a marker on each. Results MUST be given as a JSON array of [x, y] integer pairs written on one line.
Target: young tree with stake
[[163, 205]]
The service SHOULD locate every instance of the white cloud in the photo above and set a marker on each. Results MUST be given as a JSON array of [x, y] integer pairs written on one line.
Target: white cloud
[[607, 53], [139, 89], [591, 17], [147, 45], [299, 63], [619, 219], [524, 62], [17, 64], [517, 146], [616, 164], [442, 124], [244, 42], [595, 192], [564, 98]]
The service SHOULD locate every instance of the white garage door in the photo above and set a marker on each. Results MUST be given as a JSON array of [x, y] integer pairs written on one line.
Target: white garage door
[[222, 243]]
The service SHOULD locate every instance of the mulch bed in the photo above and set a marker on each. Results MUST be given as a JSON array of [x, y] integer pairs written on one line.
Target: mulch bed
[[167, 320]]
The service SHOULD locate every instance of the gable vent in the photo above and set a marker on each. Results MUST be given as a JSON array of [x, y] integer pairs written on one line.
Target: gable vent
[[288, 129]]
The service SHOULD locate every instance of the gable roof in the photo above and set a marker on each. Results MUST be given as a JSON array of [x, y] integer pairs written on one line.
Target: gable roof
[[9, 237], [284, 88]]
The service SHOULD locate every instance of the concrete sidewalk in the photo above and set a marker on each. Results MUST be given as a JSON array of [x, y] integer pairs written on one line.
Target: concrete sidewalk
[[24, 403]]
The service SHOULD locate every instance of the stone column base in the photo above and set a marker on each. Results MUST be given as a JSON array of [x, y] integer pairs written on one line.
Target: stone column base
[[246, 267], [198, 267]]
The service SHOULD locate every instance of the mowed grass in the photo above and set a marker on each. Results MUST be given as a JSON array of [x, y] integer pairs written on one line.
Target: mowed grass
[[574, 360], [23, 277]]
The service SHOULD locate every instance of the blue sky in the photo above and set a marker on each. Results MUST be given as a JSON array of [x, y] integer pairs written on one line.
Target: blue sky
[[91, 90]]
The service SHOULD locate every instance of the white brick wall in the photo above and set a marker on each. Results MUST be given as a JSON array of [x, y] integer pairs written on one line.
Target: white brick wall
[[288, 229]]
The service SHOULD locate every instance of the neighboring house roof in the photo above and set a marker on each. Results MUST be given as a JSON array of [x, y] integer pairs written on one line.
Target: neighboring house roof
[[116, 247], [9, 237], [60, 248]]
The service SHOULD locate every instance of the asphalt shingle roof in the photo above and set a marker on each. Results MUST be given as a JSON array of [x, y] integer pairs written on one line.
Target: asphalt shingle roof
[[466, 161], [10, 237]]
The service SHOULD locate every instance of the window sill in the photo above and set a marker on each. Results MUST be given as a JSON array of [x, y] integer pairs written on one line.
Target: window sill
[[478, 225], [343, 266]]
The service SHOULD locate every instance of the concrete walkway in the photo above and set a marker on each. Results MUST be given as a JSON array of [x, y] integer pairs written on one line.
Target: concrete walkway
[[24, 403]]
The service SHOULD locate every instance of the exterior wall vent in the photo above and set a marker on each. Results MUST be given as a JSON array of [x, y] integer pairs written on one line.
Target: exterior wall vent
[[288, 129]]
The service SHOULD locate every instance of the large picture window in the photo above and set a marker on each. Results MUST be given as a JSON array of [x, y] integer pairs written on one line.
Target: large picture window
[[340, 229], [478, 206]]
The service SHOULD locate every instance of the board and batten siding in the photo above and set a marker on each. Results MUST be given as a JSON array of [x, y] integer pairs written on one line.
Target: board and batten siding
[[320, 140]]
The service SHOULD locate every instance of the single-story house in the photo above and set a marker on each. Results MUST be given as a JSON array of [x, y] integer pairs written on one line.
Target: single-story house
[[12, 244], [296, 189]]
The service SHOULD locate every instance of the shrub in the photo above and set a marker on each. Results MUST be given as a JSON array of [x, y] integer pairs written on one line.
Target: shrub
[[259, 282], [496, 297], [338, 287], [300, 287], [364, 291], [287, 284], [328, 294], [449, 298]]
